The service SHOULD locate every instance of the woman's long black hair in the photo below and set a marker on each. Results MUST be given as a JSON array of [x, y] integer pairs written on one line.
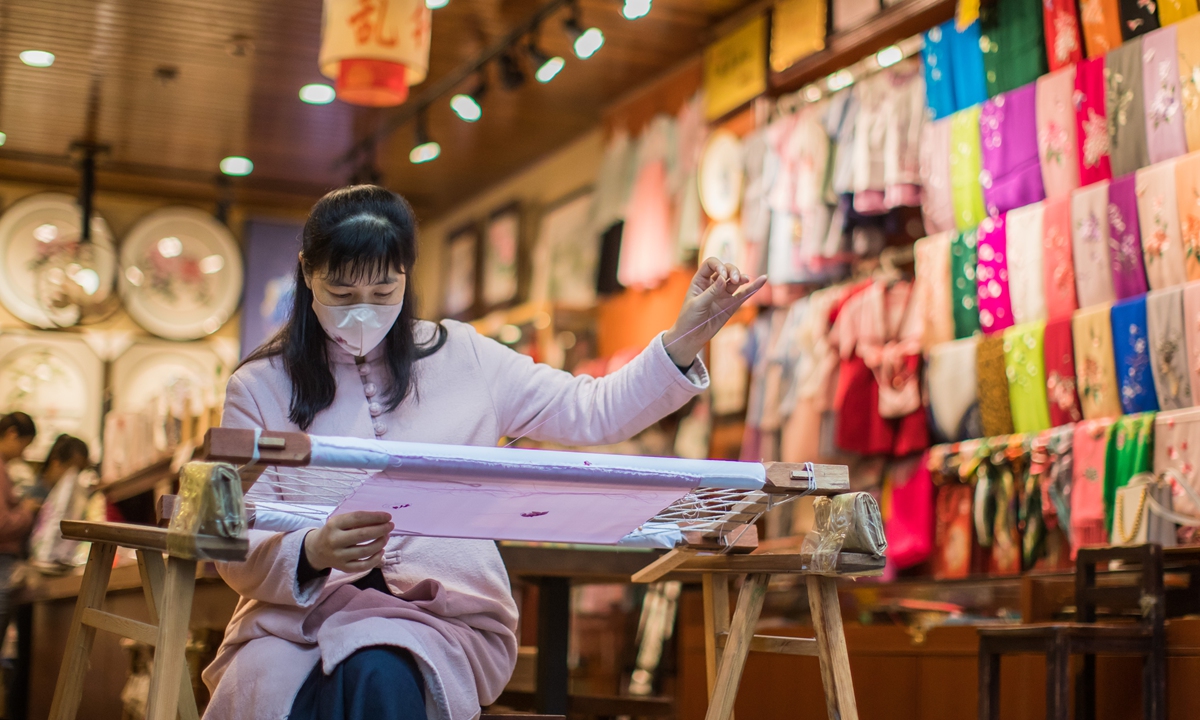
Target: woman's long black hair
[[355, 233]]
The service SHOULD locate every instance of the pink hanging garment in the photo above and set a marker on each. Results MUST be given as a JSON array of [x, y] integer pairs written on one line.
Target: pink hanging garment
[[1089, 240], [647, 243], [909, 526], [1058, 147], [1187, 201], [1158, 217], [991, 276], [1166, 135], [1058, 264], [1089, 447], [1011, 175], [937, 203], [1091, 122], [931, 289], [1177, 447], [905, 110], [1191, 334]]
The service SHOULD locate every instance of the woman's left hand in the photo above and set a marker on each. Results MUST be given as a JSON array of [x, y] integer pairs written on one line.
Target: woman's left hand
[[716, 292]]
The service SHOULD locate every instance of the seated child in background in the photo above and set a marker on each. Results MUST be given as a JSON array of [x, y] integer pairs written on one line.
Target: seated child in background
[[62, 487]]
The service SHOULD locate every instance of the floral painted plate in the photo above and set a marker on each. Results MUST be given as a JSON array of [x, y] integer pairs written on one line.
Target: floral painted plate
[[182, 275]]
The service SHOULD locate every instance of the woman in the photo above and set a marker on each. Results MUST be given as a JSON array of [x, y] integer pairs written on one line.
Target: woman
[[346, 621], [17, 431], [63, 496]]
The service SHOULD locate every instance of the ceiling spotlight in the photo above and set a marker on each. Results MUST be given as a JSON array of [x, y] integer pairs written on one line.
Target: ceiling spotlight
[[840, 80], [889, 56], [547, 67], [467, 105], [436, 4], [635, 9], [585, 43], [37, 58], [3, 138], [424, 149], [317, 94], [511, 74], [237, 166]]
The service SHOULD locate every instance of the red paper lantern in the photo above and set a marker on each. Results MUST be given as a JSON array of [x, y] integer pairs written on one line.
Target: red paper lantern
[[374, 50]]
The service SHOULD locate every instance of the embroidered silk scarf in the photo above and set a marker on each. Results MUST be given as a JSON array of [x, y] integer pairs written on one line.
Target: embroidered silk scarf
[[1187, 41], [1025, 267], [1172, 11], [1187, 202], [1089, 447], [1058, 147], [995, 308], [963, 290], [1012, 40], [1125, 109], [1025, 368], [1177, 447], [1138, 17], [1095, 371], [1191, 333], [992, 381], [1089, 241], [950, 379], [939, 70], [965, 168], [1130, 451], [1091, 123], [1124, 240], [1158, 218], [1011, 176], [1101, 26], [966, 55], [1058, 265], [1131, 348], [1063, 45], [1059, 356], [1165, 131], [932, 288], [1168, 348], [937, 201]]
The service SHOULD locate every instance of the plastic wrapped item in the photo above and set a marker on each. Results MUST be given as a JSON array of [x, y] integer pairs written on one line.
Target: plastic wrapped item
[[844, 523], [210, 503]]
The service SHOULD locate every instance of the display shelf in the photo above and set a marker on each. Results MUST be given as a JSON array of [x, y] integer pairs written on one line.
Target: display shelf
[[139, 481]]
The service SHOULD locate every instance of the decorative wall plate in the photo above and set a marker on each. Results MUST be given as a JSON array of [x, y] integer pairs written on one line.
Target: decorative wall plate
[[721, 176], [182, 275], [150, 370], [724, 242], [58, 380], [32, 231]]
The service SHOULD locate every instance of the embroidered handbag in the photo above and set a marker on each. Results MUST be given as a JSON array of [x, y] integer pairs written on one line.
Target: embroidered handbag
[[1134, 522]]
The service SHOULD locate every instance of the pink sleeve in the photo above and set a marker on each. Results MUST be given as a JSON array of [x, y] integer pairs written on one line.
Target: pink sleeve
[[535, 400]]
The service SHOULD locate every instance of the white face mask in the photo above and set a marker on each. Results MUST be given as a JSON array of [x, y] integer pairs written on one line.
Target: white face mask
[[357, 328]]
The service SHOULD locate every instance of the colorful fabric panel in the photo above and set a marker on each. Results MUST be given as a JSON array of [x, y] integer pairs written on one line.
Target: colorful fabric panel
[[931, 291], [1059, 359], [1101, 26], [950, 379], [1173, 11], [937, 200], [963, 289], [1177, 447], [1125, 108], [1058, 146], [1091, 122], [1095, 368], [1089, 242], [965, 167], [1058, 265], [1158, 218], [1131, 348], [995, 308], [1024, 365], [1138, 17], [1187, 42], [1025, 266], [1166, 134], [1011, 175], [1013, 44], [1064, 46], [1191, 334], [1187, 202], [1090, 448], [992, 382], [1130, 451], [1124, 240], [1168, 348]]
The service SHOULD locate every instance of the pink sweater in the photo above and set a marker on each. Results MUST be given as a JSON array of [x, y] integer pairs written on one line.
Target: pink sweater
[[455, 611]]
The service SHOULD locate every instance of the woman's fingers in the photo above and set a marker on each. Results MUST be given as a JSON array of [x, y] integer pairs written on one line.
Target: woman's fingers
[[353, 566], [358, 552], [358, 519], [360, 535]]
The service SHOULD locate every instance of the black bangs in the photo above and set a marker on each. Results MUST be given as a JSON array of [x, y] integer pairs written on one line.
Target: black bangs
[[364, 248]]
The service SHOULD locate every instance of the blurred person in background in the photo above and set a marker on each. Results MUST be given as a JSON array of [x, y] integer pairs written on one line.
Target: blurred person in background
[[17, 431]]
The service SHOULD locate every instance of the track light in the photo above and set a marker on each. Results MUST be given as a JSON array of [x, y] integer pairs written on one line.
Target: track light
[[436, 4], [511, 74], [635, 9], [467, 105], [547, 67], [424, 149], [585, 43]]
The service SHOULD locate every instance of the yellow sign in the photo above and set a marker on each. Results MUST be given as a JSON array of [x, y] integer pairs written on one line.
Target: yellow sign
[[797, 31], [735, 68]]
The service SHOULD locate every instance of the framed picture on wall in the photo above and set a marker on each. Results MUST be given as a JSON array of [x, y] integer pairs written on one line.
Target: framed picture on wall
[[458, 294], [500, 256]]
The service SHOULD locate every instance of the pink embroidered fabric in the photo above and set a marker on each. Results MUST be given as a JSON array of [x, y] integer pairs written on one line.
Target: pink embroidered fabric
[[1058, 263], [1058, 147], [1158, 217], [1166, 135], [937, 202], [995, 305], [1191, 334], [1089, 240], [1087, 488], [1091, 122]]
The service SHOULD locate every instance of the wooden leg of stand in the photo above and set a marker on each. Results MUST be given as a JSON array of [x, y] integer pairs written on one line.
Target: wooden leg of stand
[[153, 572], [170, 660], [69, 690], [716, 621], [831, 648], [733, 659]]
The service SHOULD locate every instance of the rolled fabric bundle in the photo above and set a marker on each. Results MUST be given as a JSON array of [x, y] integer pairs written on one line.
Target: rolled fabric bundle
[[951, 383], [1095, 366], [1125, 241], [1063, 44], [963, 289], [1187, 42], [1138, 17], [1026, 272], [1131, 348], [931, 289], [992, 380], [1089, 446], [1058, 265], [1158, 219], [1058, 146], [1091, 122], [1089, 245], [1125, 108], [1173, 11], [1187, 200], [965, 160], [1166, 135], [1101, 21], [853, 516], [1191, 325], [937, 199], [1168, 348], [1011, 175], [995, 309], [1024, 365], [1061, 386]]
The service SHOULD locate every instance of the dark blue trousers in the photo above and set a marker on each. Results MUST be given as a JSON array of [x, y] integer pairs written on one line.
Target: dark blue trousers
[[375, 683]]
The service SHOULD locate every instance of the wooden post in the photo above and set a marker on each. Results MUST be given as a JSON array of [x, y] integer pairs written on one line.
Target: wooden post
[[170, 661], [733, 659], [716, 621], [989, 681], [153, 572], [831, 648], [69, 689]]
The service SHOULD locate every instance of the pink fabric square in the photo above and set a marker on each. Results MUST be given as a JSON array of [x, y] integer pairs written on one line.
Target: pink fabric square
[[991, 276], [1058, 262], [1058, 148], [1091, 122]]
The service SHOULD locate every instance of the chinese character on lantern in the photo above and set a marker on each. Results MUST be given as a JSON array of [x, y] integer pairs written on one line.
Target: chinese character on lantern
[[374, 50]]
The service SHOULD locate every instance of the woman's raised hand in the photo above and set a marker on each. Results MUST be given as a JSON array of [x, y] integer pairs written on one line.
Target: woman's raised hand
[[717, 291], [352, 542]]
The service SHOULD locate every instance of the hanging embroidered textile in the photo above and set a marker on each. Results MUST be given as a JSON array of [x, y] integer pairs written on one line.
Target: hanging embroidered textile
[[1089, 445], [937, 200], [1046, 501], [1063, 45], [1025, 368], [1177, 447], [1138, 17], [992, 379], [1130, 451], [1158, 216], [1025, 267], [1168, 348], [965, 168], [1089, 242], [1013, 44], [955, 534], [1173, 11], [954, 75], [1058, 264], [1187, 201], [1011, 175], [1101, 26], [1187, 41], [1124, 239], [1059, 358], [932, 288], [963, 260], [1058, 146], [1125, 108], [1165, 130], [952, 385], [995, 310], [1191, 333], [1091, 122], [1131, 347], [1095, 371]]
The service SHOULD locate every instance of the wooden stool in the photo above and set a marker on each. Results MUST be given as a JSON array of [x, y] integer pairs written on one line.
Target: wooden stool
[[168, 587], [728, 641]]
